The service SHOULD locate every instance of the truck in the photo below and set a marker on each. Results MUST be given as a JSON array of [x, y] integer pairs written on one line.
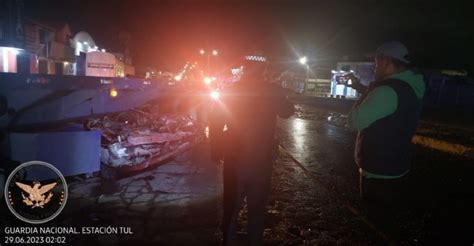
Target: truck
[[84, 125]]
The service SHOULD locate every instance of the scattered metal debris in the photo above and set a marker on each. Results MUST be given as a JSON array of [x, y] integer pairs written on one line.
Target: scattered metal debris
[[136, 139]]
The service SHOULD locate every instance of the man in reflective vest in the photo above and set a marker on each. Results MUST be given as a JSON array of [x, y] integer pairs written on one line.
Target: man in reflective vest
[[386, 117]]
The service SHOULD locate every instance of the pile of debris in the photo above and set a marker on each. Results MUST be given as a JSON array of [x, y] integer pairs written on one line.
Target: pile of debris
[[136, 139]]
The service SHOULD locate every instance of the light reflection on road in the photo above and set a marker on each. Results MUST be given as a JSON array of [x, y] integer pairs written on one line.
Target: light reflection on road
[[299, 132], [317, 139]]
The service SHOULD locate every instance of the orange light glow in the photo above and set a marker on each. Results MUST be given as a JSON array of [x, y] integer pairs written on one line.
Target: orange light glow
[[113, 93]]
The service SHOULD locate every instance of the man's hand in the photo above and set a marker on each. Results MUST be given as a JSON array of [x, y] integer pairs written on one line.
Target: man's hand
[[355, 83]]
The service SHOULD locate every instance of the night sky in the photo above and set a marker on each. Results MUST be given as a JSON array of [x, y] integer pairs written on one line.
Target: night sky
[[165, 34]]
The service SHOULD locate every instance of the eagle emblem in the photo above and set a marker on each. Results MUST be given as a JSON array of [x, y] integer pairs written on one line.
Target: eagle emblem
[[36, 197]]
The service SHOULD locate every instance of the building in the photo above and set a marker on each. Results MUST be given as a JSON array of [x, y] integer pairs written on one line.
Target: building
[[339, 85], [47, 46], [83, 42], [302, 84], [293, 81], [40, 47], [99, 64], [124, 65], [94, 61], [318, 87], [52, 49], [11, 34]]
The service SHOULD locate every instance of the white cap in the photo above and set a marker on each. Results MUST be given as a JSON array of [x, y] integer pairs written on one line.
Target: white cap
[[395, 50]]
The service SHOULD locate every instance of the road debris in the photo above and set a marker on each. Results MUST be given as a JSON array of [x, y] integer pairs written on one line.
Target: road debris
[[135, 139]]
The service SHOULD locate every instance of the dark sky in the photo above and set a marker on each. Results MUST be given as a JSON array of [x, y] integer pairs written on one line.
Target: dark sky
[[168, 33]]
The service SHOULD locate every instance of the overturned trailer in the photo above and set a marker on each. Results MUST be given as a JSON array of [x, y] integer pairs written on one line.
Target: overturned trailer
[[87, 124]]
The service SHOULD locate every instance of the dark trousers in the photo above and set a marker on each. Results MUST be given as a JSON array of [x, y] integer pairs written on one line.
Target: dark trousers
[[251, 180], [384, 199]]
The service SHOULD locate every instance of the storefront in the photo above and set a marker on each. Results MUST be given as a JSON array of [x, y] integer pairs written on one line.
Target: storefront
[[340, 85], [8, 59]]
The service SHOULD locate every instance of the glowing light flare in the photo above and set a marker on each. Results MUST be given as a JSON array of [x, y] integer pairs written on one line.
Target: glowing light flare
[[303, 60], [113, 93], [207, 80], [14, 51], [214, 52], [202, 52], [215, 95], [177, 77]]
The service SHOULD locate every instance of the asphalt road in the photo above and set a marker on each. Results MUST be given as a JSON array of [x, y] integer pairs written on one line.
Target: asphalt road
[[180, 203], [441, 196]]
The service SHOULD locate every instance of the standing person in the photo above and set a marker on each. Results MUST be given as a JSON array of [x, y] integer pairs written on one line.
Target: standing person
[[386, 117], [249, 110]]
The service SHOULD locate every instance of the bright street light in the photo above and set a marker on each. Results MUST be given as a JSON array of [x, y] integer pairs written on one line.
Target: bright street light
[[213, 52], [215, 95], [303, 60], [207, 80]]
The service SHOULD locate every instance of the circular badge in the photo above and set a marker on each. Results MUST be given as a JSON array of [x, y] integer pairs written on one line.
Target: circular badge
[[36, 192]]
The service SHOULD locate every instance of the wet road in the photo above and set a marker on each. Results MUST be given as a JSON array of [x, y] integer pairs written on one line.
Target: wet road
[[440, 202], [318, 139], [305, 211], [180, 202]]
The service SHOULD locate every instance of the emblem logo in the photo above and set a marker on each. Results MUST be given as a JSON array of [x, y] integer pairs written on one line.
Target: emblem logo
[[36, 192]]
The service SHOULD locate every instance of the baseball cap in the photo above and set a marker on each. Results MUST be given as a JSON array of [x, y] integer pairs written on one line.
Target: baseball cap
[[395, 50]]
